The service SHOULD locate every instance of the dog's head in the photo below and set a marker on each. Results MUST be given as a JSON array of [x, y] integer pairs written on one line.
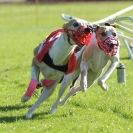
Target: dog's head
[[107, 39], [79, 31]]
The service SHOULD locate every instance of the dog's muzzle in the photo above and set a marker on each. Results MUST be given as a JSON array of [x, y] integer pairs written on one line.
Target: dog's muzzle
[[81, 36], [109, 45]]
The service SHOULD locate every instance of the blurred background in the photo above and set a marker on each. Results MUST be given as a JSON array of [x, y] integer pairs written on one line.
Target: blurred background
[[55, 0]]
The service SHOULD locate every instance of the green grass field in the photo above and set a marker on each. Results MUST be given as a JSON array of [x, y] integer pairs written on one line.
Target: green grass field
[[22, 27]]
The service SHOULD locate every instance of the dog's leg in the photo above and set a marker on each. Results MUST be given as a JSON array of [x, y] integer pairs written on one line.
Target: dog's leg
[[83, 82], [73, 90], [65, 83], [92, 76], [107, 74], [44, 95], [62, 89], [70, 93], [33, 83]]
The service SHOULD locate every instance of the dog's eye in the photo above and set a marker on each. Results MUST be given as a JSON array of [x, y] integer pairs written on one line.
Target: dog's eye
[[75, 24], [114, 34], [103, 34]]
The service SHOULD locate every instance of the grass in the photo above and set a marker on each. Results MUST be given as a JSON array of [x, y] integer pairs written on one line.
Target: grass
[[22, 27]]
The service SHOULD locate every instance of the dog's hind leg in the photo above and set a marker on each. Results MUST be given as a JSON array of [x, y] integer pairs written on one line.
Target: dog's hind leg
[[46, 93], [92, 76], [35, 71]]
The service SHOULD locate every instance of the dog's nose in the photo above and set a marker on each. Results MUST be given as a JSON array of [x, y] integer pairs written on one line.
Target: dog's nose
[[87, 30], [111, 45]]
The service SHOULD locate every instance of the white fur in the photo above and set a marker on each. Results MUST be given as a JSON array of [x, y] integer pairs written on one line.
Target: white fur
[[59, 53], [63, 48], [90, 70]]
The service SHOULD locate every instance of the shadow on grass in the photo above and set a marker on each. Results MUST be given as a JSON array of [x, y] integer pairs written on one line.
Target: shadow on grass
[[11, 119], [124, 58], [122, 114], [13, 107], [7, 118], [10, 108]]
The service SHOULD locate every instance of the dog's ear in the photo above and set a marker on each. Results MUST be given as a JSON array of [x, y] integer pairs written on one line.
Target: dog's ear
[[108, 24], [96, 27], [68, 24]]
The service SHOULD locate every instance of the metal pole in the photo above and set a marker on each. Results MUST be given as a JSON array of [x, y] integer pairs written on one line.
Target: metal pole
[[113, 16], [128, 49]]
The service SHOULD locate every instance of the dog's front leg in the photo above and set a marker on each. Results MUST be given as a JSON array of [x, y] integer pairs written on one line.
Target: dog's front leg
[[65, 83], [83, 82], [106, 75]]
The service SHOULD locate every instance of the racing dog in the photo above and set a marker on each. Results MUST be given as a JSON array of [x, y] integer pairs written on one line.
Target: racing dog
[[55, 57], [103, 47]]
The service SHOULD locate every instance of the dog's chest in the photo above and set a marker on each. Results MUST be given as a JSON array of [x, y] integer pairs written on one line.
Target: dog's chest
[[60, 51], [98, 60]]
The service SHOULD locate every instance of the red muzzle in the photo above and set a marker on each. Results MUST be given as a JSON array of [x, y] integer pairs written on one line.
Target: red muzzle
[[81, 36], [109, 45]]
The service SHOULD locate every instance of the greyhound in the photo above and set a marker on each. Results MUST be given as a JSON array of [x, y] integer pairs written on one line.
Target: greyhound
[[103, 47], [55, 57]]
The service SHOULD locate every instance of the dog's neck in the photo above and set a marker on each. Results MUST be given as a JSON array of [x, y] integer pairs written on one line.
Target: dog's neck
[[93, 41], [61, 50], [91, 48]]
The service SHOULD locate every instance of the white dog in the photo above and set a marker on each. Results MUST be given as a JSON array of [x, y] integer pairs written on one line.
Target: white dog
[[54, 58], [104, 47]]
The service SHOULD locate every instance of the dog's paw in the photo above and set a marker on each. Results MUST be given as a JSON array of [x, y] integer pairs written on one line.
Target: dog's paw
[[103, 85], [28, 115], [62, 102], [25, 98], [53, 109]]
